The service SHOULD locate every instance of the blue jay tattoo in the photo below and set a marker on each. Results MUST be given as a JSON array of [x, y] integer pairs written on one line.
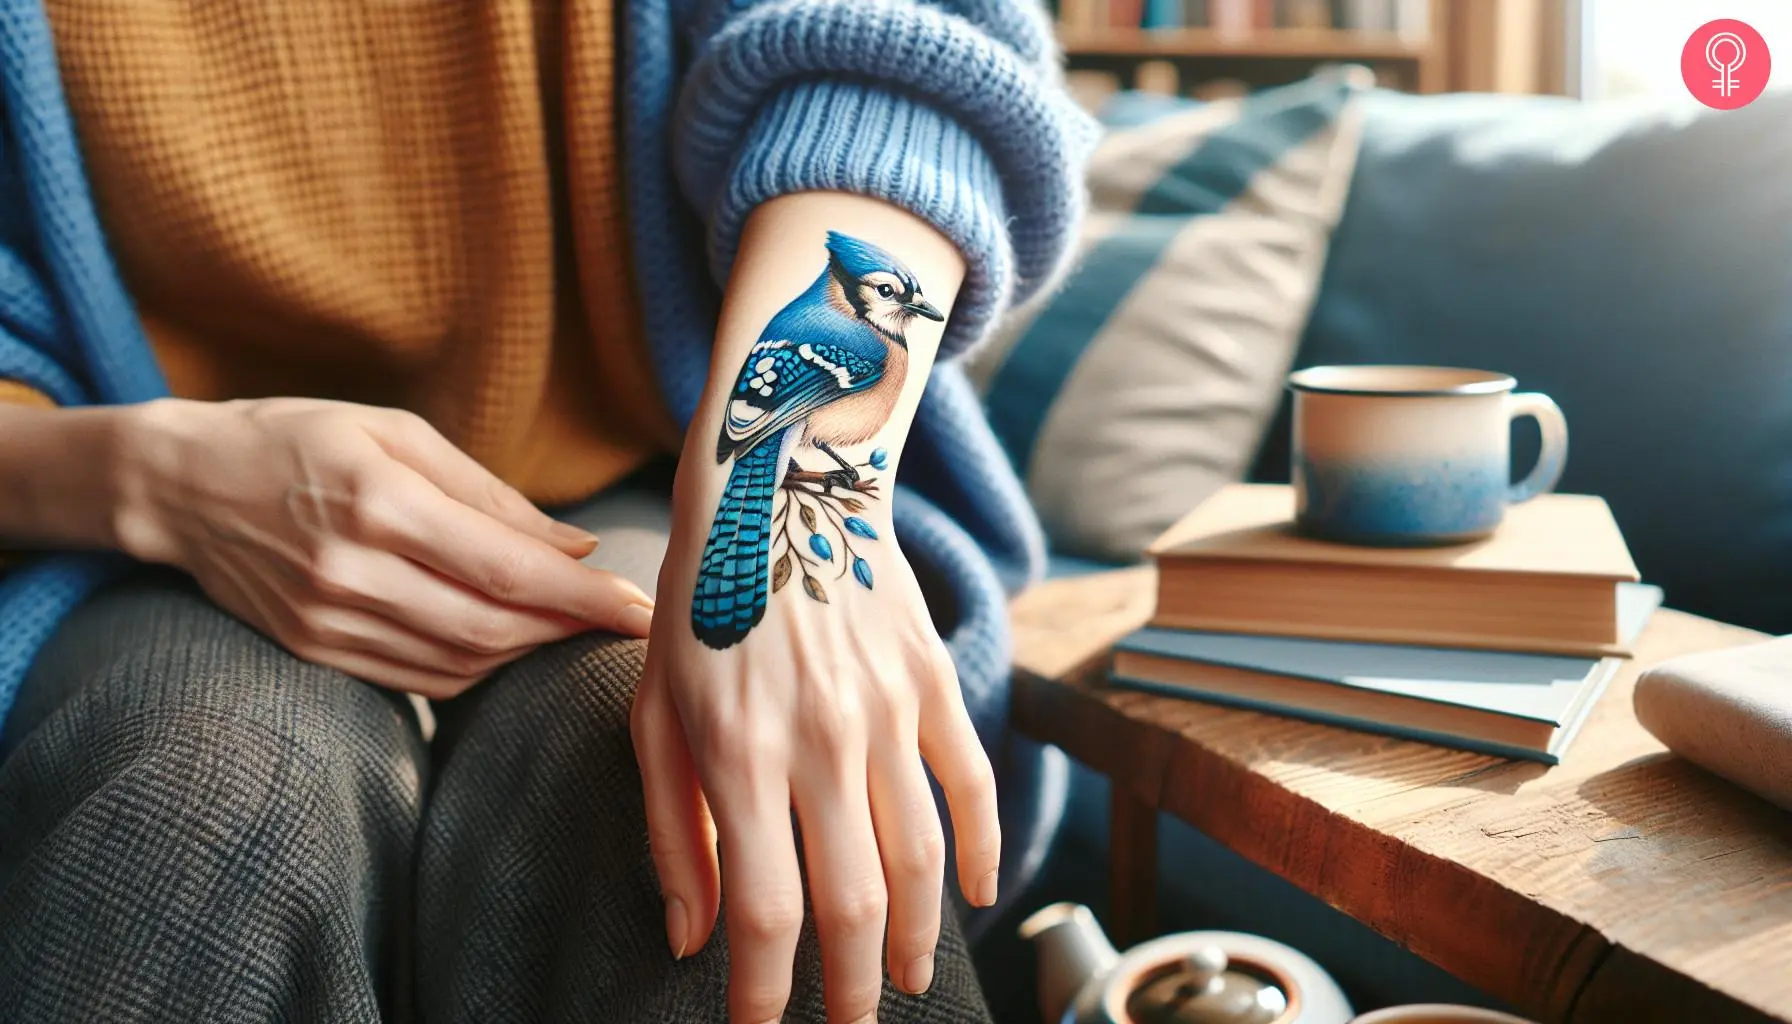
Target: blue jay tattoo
[[824, 375]]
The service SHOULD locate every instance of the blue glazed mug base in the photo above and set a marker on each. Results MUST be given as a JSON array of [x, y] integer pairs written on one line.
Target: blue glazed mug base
[[1320, 530], [1400, 503]]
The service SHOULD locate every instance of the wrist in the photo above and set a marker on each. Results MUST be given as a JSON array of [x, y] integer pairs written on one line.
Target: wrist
[[145, 478], [64, 468]]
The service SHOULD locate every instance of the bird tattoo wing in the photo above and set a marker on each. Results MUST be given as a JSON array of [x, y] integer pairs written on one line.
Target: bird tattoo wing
[[824, 376], [783, 381]]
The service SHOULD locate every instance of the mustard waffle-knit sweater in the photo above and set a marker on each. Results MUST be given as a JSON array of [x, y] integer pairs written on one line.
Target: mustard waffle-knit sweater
[[413, 204]]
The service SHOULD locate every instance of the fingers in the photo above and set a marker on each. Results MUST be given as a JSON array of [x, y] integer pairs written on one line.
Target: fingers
[[949, 743], [511, 568], [422, 601], [846, 876], [390, 674], [249, 597], [413, 442], [765, 894], [679, 829], [914, 856], [336, 628]]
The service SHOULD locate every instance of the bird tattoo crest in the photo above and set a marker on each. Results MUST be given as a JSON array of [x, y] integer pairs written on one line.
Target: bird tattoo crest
[[823, 377]]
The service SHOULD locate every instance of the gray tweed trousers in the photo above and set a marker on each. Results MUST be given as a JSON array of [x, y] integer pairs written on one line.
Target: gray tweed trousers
[[196, 826]]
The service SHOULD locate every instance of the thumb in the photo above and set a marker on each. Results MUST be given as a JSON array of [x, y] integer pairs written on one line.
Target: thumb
[[680, 831], [412, 441]]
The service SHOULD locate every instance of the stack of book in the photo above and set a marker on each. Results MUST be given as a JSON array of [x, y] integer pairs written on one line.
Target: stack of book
[[1501, 646]]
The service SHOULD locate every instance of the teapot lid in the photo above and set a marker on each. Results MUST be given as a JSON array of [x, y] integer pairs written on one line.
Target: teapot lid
[[1203, 988]]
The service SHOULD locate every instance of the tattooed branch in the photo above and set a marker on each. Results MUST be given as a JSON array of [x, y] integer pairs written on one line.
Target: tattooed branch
[[834, 531]]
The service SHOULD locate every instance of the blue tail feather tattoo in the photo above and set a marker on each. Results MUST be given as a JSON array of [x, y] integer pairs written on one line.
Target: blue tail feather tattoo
[[825, 374], [732, 583]]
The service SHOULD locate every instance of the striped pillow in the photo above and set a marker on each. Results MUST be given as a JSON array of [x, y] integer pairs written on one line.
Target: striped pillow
[[1146, 381]]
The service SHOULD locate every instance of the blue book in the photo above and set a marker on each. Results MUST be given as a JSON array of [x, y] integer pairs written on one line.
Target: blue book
[[1509, 704]]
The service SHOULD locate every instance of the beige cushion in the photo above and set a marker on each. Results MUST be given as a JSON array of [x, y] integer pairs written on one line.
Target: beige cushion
[[1728, 711], [1180, 320]]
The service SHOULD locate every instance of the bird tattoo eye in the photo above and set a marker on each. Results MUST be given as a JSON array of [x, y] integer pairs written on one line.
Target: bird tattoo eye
[[823, 377]]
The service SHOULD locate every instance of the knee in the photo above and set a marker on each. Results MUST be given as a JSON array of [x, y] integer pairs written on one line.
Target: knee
[[564, 705], [593, 676], [308, 749], [604, 670]]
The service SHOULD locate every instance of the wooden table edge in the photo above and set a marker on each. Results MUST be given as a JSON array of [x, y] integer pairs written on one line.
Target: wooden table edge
[[1595, 976]]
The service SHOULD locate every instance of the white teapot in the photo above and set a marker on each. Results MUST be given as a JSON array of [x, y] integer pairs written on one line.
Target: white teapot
[[1207, 977]]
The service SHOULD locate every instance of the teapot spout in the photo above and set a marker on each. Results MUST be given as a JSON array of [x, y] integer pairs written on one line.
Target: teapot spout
[[1072, 950]]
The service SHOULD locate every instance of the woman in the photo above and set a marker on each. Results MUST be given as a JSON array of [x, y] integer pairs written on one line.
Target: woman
[[393, 276]]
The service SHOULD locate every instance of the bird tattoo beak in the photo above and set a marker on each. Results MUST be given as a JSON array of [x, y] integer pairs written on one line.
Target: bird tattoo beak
[[924, 308]]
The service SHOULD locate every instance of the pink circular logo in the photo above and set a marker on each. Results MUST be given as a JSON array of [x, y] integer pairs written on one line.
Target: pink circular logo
[[1725, 64]]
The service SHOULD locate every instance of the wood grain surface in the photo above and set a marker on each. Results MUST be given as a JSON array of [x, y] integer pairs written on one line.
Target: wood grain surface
[[1622, 885]]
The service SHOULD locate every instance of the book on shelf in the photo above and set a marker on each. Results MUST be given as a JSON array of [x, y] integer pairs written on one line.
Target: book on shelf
[[1240, 18], [1526, 706], [1547, 581]]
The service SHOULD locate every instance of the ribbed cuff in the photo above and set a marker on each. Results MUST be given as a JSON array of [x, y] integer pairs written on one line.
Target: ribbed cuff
[[849, 137], [862, 95]]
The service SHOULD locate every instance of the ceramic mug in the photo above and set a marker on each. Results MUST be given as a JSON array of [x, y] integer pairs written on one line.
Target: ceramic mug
[[1436, 1013], [1413, 455]]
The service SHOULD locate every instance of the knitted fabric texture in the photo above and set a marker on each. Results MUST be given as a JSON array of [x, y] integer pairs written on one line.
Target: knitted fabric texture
[[424, 213], [954, 111]]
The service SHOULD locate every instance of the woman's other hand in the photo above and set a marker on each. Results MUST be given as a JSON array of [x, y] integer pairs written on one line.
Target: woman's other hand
[[360, 538]]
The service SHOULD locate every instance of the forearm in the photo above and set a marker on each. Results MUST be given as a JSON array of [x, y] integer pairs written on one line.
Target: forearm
[[783, 250], [60, 475], [794, 664], [830, 323]]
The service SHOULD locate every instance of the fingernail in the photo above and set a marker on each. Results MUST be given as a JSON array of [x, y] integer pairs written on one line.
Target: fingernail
[[986, 889], [574, 537], [570, 533], [677, 928], [635, 620], [918, 974]]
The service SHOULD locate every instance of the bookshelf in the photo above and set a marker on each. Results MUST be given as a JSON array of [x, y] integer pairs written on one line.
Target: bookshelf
[[1220, 47]]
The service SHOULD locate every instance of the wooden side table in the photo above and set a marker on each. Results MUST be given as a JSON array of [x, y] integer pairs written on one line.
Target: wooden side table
[[1622, 885]]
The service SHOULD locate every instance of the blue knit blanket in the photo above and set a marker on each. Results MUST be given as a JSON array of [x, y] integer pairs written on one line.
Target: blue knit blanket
[[953, 110]]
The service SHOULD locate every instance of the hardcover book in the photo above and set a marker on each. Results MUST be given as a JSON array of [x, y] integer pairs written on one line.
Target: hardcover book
[[1550, 579], [1525, 706]]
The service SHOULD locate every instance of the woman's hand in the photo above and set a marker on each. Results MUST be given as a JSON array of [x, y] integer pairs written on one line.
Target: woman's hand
[[828, 709], [360, 538], [801, 669]]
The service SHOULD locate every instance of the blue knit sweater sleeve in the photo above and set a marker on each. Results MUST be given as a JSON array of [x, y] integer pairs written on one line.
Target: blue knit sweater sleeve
[[954, 110]]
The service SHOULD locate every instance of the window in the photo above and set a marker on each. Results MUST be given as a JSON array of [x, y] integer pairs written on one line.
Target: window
[[1632, 47]]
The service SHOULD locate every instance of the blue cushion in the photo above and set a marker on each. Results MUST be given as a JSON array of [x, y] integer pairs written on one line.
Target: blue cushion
[[1634, 264]]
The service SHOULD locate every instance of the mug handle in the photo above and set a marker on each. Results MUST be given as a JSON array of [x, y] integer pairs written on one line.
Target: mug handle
[[1552, 456]]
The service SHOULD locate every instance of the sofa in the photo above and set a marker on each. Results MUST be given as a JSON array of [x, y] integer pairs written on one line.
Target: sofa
[[1631, 259]]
